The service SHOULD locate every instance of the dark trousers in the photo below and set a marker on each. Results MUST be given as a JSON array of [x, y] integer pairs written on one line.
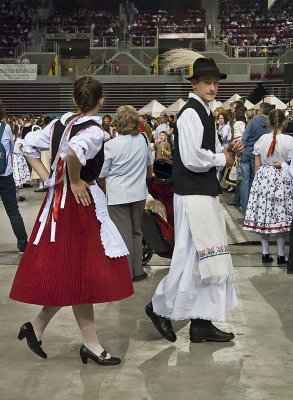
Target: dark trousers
[[290, 258], [128, 218], [8, 196]]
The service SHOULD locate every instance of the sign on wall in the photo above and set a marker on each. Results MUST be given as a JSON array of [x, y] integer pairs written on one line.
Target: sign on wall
[[16, 72]]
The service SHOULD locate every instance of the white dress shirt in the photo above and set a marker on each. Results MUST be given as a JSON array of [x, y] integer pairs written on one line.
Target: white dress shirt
[[190, 136]]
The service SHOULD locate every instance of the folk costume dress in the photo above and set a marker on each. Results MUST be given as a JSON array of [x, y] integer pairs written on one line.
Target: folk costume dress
[[75, 254], [270, 203], [21, 172], [200, 280]]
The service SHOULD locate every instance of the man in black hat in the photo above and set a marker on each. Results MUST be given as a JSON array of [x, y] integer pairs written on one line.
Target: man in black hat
[[199, 285]]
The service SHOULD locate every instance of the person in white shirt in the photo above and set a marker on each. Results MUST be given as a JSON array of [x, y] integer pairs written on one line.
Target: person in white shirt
[[128, 162], [199, 285], [8, 188]]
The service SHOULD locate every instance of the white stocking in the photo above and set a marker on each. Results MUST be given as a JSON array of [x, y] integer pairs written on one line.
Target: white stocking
[[265, 243], [281, 245], [84, 315], [44, 317]]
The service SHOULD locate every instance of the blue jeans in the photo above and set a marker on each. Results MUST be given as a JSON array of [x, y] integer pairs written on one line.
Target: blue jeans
[[245, 184], [8, 196]]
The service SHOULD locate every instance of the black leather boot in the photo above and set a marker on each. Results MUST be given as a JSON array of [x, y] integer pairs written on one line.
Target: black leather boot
[[202, 330], [162, 324]]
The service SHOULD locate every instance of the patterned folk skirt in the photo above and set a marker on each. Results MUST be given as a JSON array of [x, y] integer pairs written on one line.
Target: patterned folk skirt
[[270, 204]]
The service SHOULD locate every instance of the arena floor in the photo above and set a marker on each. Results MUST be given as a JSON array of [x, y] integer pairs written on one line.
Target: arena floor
[[257, 365]]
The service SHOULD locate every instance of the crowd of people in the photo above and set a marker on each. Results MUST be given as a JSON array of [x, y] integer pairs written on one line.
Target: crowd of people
[[16, 24], [254, 30]]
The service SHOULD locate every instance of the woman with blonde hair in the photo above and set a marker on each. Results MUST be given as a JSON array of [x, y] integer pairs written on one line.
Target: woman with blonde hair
[[127, 164], [270, 204]]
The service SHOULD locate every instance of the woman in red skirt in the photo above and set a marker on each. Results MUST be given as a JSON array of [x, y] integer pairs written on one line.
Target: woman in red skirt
[[75, 255]]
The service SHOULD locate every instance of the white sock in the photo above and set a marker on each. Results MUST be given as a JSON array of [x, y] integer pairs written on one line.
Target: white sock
[[42, 320], [84, 315], [281, 245], [265, 244]]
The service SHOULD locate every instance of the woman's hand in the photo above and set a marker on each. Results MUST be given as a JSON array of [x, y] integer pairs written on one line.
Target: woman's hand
[[81, 193], [277, 164]]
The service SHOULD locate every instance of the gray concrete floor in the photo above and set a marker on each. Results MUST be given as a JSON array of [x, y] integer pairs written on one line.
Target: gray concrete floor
[[257, 365]]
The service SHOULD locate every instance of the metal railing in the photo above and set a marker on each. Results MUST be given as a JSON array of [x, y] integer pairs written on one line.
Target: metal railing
[[68, 32], [191, 28], [105, 41], [257, 51], [112, 68], [143, 41]]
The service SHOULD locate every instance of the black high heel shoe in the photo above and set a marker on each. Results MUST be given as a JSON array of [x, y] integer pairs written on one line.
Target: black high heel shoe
[[86, 354], [27, 331]]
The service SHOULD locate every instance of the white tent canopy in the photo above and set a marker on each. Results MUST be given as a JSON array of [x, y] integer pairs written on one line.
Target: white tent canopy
[[272, 100], [236, 97], [289, 102], [214, 104], [228, 102], [249, 105], [175, 107], [154, 108]]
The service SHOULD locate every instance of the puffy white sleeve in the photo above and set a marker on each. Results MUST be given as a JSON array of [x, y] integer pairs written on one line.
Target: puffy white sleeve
[[258, 146], [36, 141], [190, 137], [86, 144]]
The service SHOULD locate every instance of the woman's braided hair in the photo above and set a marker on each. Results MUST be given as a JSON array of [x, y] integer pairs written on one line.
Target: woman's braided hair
[[86, 94], [276, 119]]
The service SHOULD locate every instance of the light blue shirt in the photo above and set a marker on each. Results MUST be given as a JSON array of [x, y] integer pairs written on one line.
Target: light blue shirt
[[125, 165], [7, 141]]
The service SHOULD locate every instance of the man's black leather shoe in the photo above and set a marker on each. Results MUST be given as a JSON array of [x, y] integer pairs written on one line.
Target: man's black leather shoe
[[204, 331], [162, 324], [27, 331]]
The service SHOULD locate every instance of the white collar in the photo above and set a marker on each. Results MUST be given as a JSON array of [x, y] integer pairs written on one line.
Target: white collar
[[196, 97], [82, 119]]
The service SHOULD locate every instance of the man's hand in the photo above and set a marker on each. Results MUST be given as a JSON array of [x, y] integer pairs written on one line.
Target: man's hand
[[230, 158], [80, 192], [236, 146]]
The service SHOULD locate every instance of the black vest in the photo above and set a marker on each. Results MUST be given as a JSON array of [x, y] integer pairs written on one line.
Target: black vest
[[187, 182], [92, 169]]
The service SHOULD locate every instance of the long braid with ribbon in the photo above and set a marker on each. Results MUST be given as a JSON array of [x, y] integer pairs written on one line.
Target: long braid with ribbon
[[274, 141]]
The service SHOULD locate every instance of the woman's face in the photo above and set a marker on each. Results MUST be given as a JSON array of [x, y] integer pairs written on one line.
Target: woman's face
[[221, 120]]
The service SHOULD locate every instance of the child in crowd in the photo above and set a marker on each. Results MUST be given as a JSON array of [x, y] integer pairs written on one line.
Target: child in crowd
[[162, 147], [270, 204]]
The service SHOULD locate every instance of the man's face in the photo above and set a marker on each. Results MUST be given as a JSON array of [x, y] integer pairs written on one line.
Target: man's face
[[206, 87]]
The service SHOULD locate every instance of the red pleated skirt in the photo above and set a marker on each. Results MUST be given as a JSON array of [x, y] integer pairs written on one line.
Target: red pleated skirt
[[74, 269]]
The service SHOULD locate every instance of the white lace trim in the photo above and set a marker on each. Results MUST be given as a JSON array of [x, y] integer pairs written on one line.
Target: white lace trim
[[180, 318], [110, 237]]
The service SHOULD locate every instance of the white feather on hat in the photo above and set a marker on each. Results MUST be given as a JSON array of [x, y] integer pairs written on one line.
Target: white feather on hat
[[179, 58]]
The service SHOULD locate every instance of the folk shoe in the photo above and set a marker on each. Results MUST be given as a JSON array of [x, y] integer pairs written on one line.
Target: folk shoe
[[205, 331], [162, 324], [27, 331]]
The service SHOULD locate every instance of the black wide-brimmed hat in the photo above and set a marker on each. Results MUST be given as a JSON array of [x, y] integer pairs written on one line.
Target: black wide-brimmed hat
[[206, 67]]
